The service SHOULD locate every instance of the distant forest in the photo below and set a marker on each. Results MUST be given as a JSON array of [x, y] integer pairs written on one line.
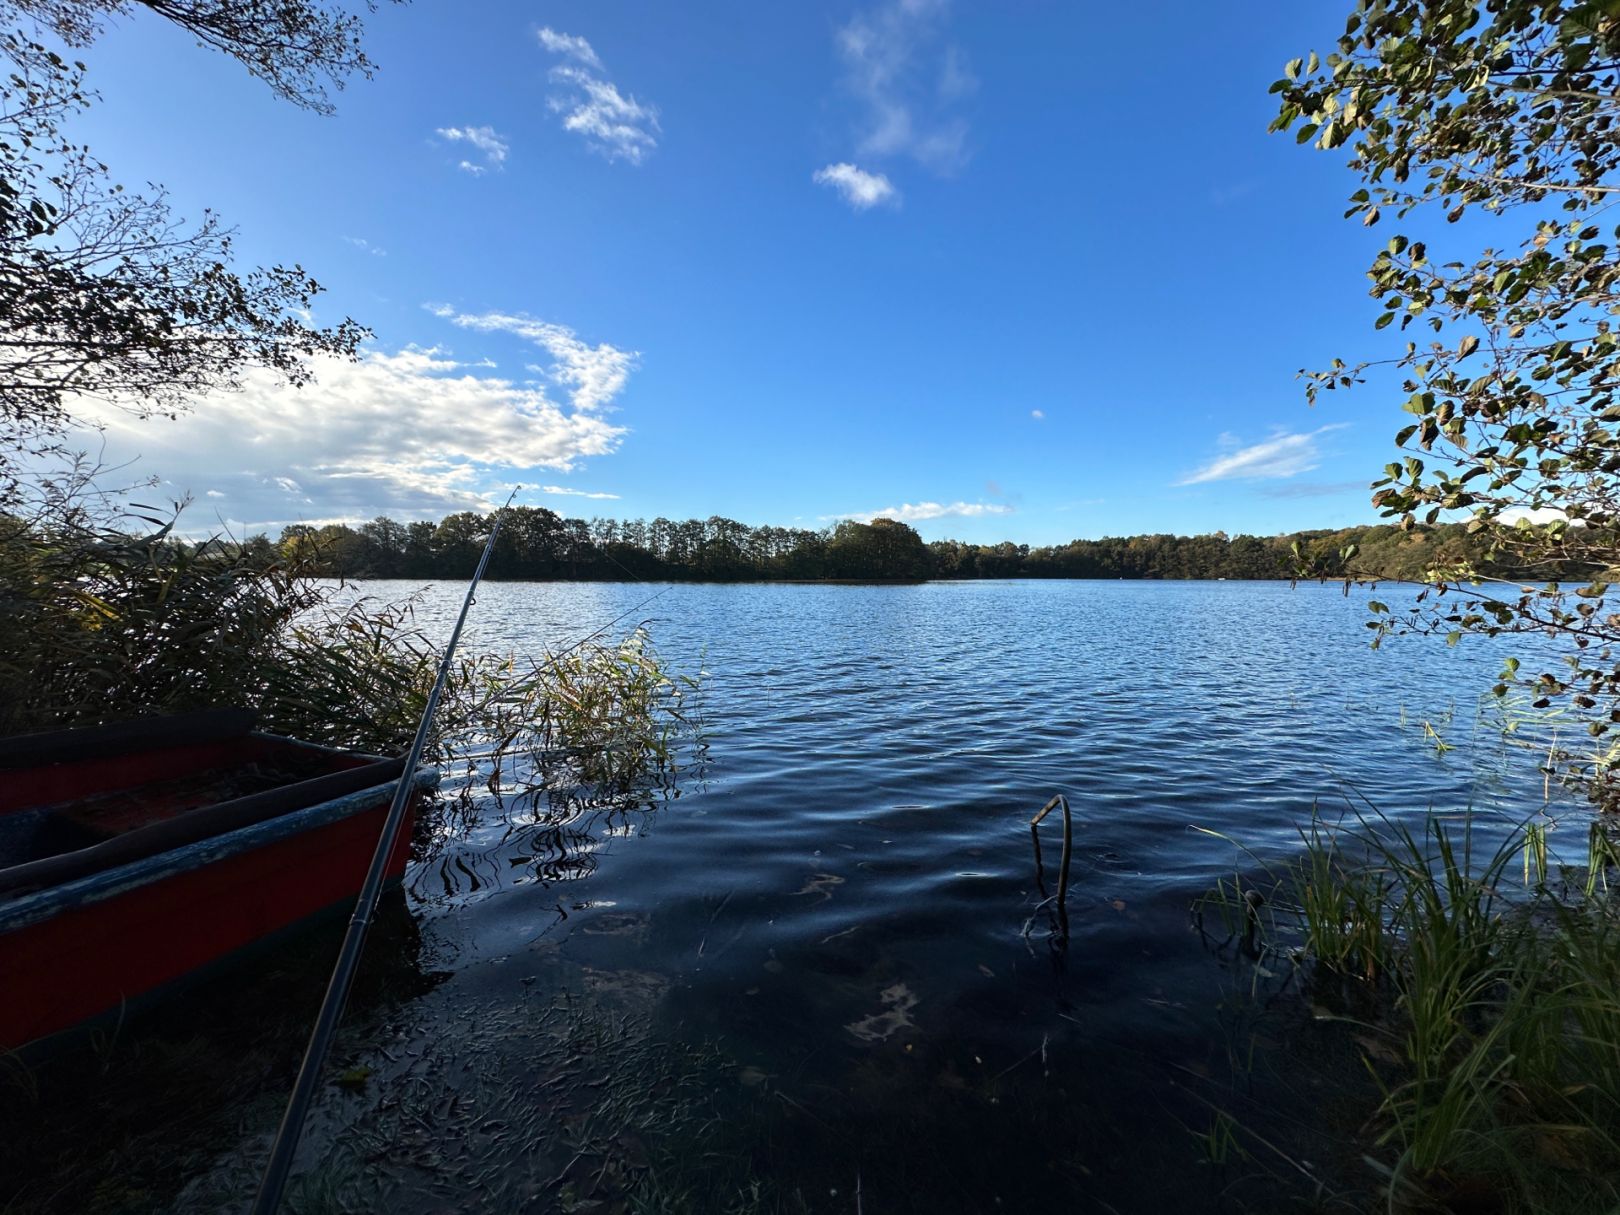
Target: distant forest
[[539, 545]]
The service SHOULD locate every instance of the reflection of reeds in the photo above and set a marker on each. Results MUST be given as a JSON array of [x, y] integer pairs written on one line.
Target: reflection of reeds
[[539, 745], [1489, 1014], [554, 754]]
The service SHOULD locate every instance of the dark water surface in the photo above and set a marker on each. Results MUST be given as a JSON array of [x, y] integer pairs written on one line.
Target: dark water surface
[[821, 979]]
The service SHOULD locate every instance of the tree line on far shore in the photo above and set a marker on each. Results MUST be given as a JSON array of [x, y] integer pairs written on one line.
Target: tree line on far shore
[[537, 544]]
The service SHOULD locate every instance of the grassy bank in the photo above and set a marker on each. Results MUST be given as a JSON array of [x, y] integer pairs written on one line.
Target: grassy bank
[[1480, 981]]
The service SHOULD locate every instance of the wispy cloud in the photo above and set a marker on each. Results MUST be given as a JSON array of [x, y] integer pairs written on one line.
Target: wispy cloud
[[1313, 489], [907, 81], [612, 123], [594, 375], [915, 512], [1282, 455], [489, 146], [1222, 196], [564, 491], [413, 433], [1038, 414], [859, 188], [570, 46], [365, 246]]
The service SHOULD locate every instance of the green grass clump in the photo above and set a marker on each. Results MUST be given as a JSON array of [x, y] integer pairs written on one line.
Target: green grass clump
[[1487, 990]]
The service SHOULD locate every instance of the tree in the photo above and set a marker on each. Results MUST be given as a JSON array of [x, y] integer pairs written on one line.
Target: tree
[[295, 47], [420, 558], [723, 551], [105, 294], [530, 544], [385, 542], [1506, 110], [881, 549], [458, 542]]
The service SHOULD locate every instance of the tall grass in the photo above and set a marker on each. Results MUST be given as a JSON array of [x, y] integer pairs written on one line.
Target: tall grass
[[97, 624], [1487, 982], [103, 619]]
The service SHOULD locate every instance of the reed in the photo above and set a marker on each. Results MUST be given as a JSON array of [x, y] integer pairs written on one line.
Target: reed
[[100, 621], [1490, 979]]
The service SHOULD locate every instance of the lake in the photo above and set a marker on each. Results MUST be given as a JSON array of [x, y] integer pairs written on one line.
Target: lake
[[818, 974]]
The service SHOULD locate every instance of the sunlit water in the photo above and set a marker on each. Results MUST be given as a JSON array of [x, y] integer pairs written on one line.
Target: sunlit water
[[822, 978]]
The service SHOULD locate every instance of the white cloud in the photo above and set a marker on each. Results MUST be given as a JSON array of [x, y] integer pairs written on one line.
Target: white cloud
[[1526, 514], [914, 512], [906, 80], [593, 374], [591, 106], [565, 492], [1038, 414], [365, 246], [1315, 489], [413, 434], [490, 145], [570, 46], [955, 77], [619, 127], [1282, 455], [860, 189]]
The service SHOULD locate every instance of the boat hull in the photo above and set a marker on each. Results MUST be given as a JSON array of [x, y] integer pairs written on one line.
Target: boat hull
[[87, 946]]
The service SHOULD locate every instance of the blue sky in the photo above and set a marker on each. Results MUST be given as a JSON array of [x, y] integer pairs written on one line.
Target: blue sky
[[1030, 271]]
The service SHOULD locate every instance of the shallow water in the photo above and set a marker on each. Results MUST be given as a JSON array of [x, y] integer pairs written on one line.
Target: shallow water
[[822, 978]]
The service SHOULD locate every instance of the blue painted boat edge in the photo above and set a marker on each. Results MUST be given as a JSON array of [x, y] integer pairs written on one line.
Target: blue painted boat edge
[[97, 887]]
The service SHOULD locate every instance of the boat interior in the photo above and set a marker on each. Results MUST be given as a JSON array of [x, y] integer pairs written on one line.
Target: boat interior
[[77, 801]]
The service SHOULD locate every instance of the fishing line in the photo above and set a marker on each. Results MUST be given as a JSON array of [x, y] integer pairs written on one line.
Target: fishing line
[[592, 636]]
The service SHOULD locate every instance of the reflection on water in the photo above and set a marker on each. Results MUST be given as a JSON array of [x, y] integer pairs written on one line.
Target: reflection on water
[[830, 976]]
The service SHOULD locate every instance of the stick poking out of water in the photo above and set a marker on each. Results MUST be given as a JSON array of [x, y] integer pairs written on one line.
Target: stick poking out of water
[[1068, 843]]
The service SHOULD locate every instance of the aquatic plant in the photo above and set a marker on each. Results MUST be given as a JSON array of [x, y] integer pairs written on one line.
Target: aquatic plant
[[1487, 1009], [609, 712]]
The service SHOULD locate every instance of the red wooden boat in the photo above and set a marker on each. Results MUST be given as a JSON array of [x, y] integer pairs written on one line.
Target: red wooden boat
[[132, 855]]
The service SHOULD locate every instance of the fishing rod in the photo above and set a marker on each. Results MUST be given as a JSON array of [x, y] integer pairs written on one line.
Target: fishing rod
[[337, 989]]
